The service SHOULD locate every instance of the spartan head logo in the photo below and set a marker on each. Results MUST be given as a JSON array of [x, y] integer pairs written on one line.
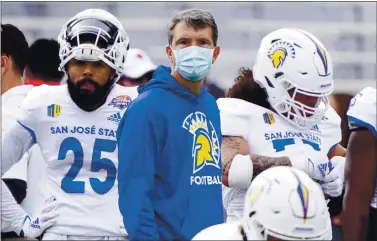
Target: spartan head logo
[[279, 51], [205, 147]]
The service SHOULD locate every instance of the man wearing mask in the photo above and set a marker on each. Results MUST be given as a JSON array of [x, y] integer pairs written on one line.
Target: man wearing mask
[[169, 160], [138, 69]]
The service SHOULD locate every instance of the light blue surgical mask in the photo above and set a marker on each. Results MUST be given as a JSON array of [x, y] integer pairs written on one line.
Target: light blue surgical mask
[[194, 62]]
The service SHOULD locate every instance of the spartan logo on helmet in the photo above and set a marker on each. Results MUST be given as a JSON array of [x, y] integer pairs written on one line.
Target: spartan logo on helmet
[[279, 51]]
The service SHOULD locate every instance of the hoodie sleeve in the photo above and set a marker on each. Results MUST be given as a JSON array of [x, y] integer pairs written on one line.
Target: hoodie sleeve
[[138, 145]]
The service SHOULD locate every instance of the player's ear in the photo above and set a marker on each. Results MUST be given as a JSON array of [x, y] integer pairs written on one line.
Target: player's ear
[[5, 64]]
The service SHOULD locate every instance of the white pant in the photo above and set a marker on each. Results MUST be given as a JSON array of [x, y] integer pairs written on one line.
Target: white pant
[[54, 236]]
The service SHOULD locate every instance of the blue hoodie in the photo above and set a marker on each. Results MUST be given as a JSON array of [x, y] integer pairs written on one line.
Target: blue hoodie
[[169, 170]]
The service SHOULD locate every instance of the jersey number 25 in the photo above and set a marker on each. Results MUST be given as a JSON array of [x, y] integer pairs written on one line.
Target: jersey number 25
[[100, 145]]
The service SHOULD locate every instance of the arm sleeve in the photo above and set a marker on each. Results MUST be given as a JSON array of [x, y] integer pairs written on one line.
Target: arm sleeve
[[19, 170], [12, 214], [17, 140], [138, 145]]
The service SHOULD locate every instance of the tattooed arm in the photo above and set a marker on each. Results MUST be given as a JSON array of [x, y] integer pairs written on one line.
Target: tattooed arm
[[234, 145]]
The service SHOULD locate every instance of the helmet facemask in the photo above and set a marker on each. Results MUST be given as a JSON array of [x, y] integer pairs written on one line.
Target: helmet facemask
[[296, 71], [298, 113], [92, 39]]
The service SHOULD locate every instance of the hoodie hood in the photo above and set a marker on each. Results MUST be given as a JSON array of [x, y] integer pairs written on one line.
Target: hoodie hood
[[163, 79]]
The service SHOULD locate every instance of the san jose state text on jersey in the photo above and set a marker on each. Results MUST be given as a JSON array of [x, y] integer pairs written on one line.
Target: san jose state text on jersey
[[282, 139], [88, 130]]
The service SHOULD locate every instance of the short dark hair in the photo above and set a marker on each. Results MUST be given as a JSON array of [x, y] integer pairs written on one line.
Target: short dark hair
[[14, 44], [245, 88], [44, 59], [195, 18]]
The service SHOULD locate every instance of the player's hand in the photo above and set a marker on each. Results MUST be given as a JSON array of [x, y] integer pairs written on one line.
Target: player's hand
[[34, 228], [332, 184]]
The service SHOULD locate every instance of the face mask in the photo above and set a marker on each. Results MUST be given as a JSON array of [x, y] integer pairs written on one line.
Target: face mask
[[193, 63]]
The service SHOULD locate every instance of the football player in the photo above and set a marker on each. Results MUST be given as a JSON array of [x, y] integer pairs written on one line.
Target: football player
[[16, 221], [360, 200], [75, 126], [282, 203], [279, 114], [27, 175]]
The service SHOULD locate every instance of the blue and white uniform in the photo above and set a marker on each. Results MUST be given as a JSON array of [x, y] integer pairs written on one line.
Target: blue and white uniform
[[270, 135], [80, 151]]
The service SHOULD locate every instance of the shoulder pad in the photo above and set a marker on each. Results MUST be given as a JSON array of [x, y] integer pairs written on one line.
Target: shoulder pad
[[362, 110], [37, 96], [235, 115]]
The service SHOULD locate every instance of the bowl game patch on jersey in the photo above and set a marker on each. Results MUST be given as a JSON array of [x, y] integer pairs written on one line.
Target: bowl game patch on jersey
[[122, 102]]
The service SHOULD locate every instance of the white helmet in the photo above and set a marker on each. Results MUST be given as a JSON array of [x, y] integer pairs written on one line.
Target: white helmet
[[294, 59], [109, 41], [286, 203]]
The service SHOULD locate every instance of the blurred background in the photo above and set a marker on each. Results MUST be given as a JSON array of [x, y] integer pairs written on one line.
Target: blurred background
[[348, 30]]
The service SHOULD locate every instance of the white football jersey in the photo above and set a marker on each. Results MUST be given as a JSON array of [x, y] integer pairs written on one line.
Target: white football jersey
[[80, 150], [31, 168], [224, 231], [362, 113], [268, 134]]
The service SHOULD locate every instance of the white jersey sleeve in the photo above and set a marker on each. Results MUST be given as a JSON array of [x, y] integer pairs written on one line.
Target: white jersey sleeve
[[362, 110], [234, 118], [18, 170], [12, 215], [21, 135], [11, 106]]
